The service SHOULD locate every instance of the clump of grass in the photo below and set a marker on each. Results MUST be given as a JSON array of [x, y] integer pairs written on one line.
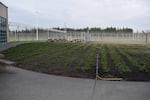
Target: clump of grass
[[104, 62]]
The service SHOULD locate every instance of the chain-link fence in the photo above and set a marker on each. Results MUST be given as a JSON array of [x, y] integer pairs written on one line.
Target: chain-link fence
[[82, 36], [20, 32], [121, 37]]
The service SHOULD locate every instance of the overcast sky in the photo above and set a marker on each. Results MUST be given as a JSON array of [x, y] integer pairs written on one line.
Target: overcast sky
[[81, 13]]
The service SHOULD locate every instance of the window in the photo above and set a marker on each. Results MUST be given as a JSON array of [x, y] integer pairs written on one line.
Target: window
[[3, 30]]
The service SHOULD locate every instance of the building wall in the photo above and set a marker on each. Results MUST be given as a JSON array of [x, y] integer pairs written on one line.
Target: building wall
[[3, 23]]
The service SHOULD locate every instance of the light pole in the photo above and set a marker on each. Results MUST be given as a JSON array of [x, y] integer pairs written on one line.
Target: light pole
[[88, 34], [66, 35], [37, 32]]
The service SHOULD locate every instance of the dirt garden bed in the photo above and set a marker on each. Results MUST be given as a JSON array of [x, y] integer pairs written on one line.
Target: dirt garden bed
[[131, 62]]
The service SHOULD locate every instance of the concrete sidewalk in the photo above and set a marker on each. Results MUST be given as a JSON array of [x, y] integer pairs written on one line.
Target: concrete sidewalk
[[19, 84], [9, 45]]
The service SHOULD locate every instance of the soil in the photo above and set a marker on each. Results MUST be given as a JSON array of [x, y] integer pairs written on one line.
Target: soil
[[71, 71], [78, 59], [56, 68], [127, 62], [135, 75], [63, 72]]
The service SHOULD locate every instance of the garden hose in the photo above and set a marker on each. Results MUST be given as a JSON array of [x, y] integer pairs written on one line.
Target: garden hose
[[109, 79], [101, 78]]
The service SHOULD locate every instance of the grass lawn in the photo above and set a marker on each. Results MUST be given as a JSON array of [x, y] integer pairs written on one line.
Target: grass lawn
[[130, 62]]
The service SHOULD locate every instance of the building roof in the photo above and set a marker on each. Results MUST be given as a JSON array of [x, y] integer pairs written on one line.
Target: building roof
[[3, 4]]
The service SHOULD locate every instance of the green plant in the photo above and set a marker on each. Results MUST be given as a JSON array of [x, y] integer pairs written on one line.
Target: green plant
[[118, 62], [104, 60], [133, 61], [89, 60]]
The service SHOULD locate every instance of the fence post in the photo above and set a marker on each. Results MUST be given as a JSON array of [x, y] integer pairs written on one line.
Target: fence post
[[146, 36]]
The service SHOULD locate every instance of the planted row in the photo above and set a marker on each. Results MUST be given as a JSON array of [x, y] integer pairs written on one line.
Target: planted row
[[89, 59], [133, 61], [68, 59], [55, 58], [104, 62], [119, 64]]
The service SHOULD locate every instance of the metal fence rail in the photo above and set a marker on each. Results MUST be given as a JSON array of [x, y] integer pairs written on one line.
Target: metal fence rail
[[86, 37], [18, 33]]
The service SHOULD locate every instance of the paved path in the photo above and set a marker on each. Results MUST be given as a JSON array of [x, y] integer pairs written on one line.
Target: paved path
[[8, 45], [19, 84]]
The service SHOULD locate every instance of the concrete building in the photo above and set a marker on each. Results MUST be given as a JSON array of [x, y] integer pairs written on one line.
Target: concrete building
[[3, 23]]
